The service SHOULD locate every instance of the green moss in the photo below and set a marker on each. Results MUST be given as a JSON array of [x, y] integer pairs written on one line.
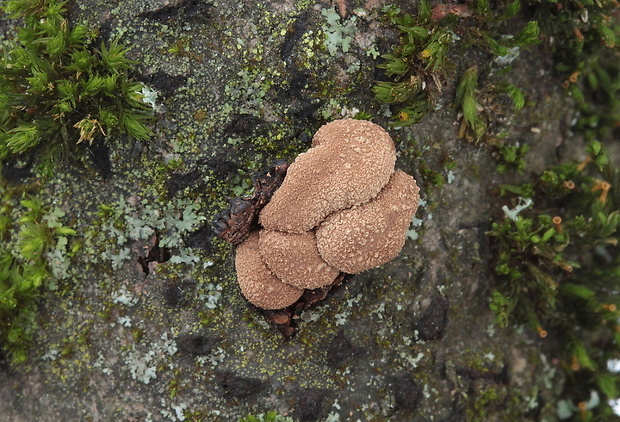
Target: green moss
[[467, 103], [587, 58], [550, 280], [35, 254], [511, 157], [58, 89], [420, 61], [495, 401], [270, 416], [557, 257]]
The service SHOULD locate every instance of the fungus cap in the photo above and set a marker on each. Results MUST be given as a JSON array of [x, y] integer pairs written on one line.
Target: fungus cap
[[295, 259], [258, 284], [337, 130], [349, 163], [371, 234]]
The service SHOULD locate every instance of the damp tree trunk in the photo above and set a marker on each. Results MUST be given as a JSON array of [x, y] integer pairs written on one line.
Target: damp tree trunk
[[147, 323]]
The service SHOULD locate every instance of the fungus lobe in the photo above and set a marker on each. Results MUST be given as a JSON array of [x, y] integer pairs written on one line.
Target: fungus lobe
[[295, 259], [371, 234], [258, 284], [349, 163], [340, 209]]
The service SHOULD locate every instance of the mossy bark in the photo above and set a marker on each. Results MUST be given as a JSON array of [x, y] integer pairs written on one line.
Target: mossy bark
[[242, 84]]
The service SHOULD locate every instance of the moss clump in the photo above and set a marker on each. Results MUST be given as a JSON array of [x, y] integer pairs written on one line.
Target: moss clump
[[557, 257], [61, 91], [33, 254], [415, 65], [420, 61], [559, 268], [267, 417], [587, 57], [59, 87]]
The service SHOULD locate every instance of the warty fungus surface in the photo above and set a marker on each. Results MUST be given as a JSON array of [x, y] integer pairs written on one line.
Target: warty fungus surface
[[258, 284], [295, 259], [349, 163], [340, 209], [371, 234]]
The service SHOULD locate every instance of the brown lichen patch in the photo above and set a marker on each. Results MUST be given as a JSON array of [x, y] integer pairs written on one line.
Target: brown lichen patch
[[295, 259], [363, 237], [349, 163], [235, 224], [286, 320], [258, 284]]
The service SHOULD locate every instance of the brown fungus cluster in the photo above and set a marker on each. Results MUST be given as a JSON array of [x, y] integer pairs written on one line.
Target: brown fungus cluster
[[340, 209]]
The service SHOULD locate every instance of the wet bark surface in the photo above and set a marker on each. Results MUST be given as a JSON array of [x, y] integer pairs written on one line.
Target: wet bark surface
[[151, 325]]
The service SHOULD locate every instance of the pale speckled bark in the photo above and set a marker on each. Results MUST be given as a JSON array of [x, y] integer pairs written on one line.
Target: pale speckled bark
[[253, 58]]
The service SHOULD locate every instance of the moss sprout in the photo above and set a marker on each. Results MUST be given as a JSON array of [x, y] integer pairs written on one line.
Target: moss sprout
[[61, 86], [420, 62], [270, 416], [558, 265], [34, 254]]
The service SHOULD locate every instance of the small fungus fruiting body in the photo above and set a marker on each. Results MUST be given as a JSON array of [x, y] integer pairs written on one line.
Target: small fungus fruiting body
[[258, 284], [340, 209], [349, 163], [295, 259], [371, 234]]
